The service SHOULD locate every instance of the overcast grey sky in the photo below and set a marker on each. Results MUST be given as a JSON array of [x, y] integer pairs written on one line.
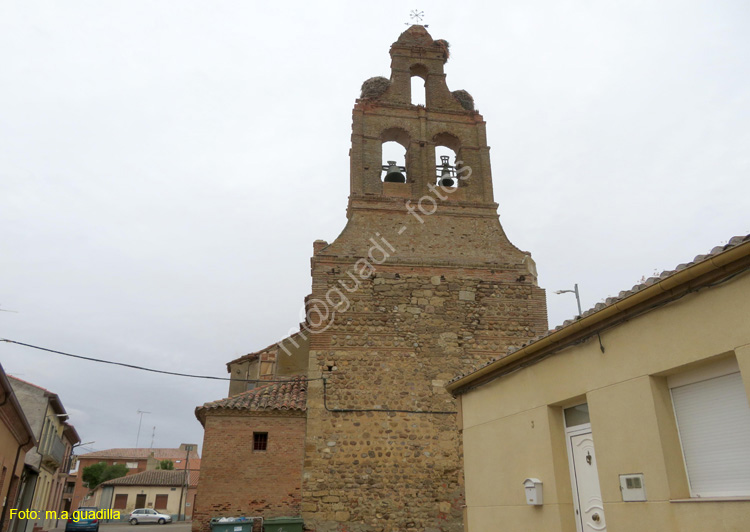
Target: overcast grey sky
[[166, 165]]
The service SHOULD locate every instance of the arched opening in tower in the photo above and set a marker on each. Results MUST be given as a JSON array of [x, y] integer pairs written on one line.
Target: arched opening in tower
[[445, 167], [394, 162], [418, 91]]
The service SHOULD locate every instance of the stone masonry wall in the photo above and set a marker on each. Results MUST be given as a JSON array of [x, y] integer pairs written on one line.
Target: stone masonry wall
[[237, 481], [407, 331]]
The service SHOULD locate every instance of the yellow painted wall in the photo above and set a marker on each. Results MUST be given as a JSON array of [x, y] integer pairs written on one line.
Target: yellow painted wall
[[513, 426], [47, 493]]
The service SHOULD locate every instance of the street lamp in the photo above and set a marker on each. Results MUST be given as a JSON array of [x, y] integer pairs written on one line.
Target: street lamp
[[578, 297]]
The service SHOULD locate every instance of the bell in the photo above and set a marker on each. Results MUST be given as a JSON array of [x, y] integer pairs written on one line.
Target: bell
[[393, 173], [446, 177]]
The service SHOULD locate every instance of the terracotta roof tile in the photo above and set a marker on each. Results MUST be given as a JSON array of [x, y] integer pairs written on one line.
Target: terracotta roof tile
[[156, 477], [288, 395], [733, 242]]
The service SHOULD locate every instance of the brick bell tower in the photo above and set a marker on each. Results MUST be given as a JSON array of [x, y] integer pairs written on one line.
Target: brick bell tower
[[421, 285]]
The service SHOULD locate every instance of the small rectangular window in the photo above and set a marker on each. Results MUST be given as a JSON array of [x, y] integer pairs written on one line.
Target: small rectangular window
[[131, 465], [260, 441]]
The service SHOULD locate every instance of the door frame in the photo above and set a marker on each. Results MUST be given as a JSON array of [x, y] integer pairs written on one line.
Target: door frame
[[577, 430]]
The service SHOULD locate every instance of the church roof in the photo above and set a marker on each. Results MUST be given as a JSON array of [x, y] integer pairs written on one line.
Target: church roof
[[619, 303], [289, 395]]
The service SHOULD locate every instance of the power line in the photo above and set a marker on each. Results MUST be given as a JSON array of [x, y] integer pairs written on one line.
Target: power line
[[142, 368]]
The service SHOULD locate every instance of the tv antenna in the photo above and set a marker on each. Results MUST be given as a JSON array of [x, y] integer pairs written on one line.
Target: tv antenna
[[153, 432], [138, 436]]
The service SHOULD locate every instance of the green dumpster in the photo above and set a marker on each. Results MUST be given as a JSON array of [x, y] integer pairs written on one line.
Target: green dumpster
[[232, 524], [283, 524]]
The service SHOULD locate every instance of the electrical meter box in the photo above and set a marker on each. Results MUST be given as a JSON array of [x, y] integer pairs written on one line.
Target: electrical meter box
[[533, 489], [632, 488]]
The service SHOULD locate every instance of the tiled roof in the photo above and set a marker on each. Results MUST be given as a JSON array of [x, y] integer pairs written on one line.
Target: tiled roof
[[141, 453], [288, 395], [156, 477], [733, 242]]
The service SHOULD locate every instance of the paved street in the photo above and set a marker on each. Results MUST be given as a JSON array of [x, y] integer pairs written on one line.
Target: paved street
[[119, 527]]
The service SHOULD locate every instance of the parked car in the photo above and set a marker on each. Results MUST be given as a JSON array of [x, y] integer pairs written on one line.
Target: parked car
[[147, 515], [79, 523]]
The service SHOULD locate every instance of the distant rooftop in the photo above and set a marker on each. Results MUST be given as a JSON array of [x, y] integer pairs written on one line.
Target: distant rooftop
[[157, 477], [142, 454]]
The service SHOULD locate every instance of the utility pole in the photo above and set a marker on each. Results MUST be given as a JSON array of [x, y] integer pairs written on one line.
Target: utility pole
[[185, 483], [138, 436]]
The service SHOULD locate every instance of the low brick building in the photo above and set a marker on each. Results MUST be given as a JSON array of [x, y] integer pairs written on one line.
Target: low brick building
[[254, 447]]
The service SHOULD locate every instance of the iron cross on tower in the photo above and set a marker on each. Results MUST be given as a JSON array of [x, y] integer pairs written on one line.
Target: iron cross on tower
[[416, 16]]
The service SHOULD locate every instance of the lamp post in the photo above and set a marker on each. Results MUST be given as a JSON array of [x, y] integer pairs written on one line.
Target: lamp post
[[578, 297]]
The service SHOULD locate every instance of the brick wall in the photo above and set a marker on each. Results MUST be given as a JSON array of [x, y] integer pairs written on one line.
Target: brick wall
[[237, 481]]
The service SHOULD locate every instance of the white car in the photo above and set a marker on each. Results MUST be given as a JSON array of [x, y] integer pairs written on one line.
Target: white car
[[147, 515]]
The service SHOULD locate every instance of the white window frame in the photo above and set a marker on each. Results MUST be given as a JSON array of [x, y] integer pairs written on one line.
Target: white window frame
[[722, 368]]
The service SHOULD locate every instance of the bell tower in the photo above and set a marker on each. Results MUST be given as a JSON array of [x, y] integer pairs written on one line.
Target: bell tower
[[421, 285], [385, 113]]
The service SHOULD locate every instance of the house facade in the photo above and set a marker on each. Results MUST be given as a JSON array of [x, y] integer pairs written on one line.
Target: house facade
[[16, 439], [421, 285], [136, 460], [633, 417], [48, 464]]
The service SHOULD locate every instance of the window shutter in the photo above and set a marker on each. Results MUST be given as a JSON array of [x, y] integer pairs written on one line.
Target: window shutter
[[121, 501], [161, 501], [713, 418]]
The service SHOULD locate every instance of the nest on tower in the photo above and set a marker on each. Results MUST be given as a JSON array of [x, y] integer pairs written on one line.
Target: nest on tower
[[375, 87], [445, 45], [464, 98]]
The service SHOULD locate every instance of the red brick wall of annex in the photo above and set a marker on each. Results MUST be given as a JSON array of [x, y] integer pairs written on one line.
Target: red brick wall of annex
[[230, 468]]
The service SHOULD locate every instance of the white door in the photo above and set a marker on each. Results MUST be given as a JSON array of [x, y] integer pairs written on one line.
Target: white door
[[587, 497]]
